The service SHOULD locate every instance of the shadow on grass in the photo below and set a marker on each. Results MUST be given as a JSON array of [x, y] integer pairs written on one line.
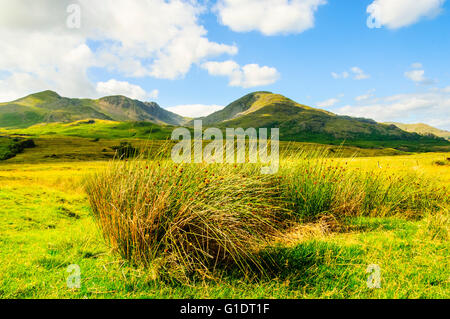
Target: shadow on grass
[[312, 266]]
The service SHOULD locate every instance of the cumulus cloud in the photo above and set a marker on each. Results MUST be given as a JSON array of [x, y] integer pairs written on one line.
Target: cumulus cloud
[[356, 72], [418, 75], [114, 87], [429, 107], [157, 38], [328, 103], [269, 17], [250, 75], [401, 13], [195, 110]]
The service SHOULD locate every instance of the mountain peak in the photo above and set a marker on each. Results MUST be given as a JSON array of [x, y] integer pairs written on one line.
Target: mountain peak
[[255, 102], [35, 99], [45, 95], [48, 106]]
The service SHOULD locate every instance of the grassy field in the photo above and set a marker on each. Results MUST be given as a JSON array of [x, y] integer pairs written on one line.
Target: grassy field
[[58, 148], [46, 224], [108, 130]]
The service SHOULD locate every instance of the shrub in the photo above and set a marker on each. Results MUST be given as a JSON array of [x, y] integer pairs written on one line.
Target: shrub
[[190, 218], [125, 150], [11, 147], [442, 163]]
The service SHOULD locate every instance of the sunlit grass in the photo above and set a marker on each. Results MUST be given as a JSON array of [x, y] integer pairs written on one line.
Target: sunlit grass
[[46, 224]]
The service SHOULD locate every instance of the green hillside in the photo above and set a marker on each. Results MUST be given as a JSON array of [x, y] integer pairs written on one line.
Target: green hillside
[[96, 129], [423, 129], [298, 122], [47, 113], [49, 107]]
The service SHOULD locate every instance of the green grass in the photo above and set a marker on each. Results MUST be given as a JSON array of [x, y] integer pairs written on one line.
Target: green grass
[[46, 224], [10, 147], [38, 242], [196, 218], [98, 129]]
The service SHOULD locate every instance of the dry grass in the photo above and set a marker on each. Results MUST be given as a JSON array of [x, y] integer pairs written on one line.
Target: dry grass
[[315, 185]]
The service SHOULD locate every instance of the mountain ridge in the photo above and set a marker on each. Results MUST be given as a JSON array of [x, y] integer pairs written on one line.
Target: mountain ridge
[[421, 128], [49, 107], [262, 109], [298, 122]]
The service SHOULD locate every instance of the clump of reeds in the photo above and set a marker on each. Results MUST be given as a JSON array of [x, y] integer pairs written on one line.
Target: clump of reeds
[[192, 217]]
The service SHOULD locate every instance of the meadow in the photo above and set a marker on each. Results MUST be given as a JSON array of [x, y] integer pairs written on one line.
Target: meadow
[[391, 211]]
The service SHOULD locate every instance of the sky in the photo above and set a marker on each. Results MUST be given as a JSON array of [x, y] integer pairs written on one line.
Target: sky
[[382, 59]]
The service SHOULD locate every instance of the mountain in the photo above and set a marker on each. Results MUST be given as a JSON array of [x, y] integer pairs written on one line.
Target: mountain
[[48, 107], [299, 122], [252, 103], [422, 129]]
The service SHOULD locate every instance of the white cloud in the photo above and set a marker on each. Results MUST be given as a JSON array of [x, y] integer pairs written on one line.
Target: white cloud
[[418, 75], [114, 87], [417, 65], [395, 14], [156, 38], [343, 75], [226, 68], [429, 107], [250, 75], [195, 110], [366, 96], [269, 17], [328, 103], [358, 74]]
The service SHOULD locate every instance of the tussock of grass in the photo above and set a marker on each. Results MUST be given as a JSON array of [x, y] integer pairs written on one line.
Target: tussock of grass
[[185, 218]]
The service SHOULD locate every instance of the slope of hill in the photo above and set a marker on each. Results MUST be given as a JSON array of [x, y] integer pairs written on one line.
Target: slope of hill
[[49, 107], [252, 103], [423, 129], [298, 122]]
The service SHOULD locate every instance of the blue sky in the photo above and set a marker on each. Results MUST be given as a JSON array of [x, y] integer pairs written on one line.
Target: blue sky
[[198, 57]]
